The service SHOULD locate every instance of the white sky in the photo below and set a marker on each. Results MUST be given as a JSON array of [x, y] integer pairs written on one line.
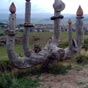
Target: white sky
[[41, 6]]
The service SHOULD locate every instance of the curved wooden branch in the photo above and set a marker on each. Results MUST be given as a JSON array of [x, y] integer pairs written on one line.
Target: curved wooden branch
[[50, 50], [34, 59]]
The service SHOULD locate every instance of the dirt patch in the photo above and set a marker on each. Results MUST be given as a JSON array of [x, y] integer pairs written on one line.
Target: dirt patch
[[73, 79]]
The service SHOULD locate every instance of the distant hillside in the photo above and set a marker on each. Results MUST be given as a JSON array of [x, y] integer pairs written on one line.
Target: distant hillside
[[40, 18]]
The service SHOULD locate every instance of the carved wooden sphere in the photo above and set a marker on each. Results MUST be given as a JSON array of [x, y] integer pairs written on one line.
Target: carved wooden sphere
[[58, 5], [12, 8], [79, 11]]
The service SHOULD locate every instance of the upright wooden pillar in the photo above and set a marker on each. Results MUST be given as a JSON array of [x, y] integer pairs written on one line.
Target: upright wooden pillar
[[58, 7], [11, 34], [27, 25], [79, 28], [70, 34]]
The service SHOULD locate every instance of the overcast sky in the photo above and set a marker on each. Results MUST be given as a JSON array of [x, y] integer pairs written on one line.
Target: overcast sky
[[43, 6]]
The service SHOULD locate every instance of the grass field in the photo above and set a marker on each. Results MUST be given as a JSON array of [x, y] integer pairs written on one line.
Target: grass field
[[43, 38], [26, 79]]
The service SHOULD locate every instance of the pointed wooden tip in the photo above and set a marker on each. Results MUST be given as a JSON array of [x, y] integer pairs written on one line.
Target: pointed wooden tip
[[27, 0], [79, 11], [12, 8], [69, 21]]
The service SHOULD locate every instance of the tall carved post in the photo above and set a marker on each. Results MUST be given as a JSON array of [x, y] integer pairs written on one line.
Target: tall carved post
[[70, 34], [27, 26], [58, 7], [79, 28], [11, 34]]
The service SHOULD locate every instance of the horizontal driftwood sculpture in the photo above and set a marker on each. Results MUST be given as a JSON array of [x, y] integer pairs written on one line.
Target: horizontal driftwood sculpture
[[51, 50]]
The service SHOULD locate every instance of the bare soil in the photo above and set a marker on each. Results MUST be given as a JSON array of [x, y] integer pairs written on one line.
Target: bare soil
[[73, 79]]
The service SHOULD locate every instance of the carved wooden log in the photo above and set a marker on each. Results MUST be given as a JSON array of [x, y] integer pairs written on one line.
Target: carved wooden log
[[24, 62], [50, 52]]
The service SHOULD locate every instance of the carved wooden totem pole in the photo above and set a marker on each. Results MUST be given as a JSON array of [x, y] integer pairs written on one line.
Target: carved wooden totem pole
[[51, 49], [70, 34], [27, 26], [58, 7], [79, 28]]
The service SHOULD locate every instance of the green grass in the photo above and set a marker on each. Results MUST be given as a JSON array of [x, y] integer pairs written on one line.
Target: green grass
[[3, 53], [44, 36], [9, 80], [86, 86], [59, 69], [43, 39]]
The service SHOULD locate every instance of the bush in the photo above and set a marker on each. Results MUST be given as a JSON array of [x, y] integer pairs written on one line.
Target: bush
[[59, 69], [85, 45], [33, 71], [2, 34], [5, 66], [8, 80], [63, 44], [52, 69], [21, 30], [82, 60]]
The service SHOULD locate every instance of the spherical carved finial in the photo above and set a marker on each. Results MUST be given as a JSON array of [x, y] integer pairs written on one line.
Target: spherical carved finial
[[69, 21], [79, 11], [12, 8], [27, 0], [58, 5]]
